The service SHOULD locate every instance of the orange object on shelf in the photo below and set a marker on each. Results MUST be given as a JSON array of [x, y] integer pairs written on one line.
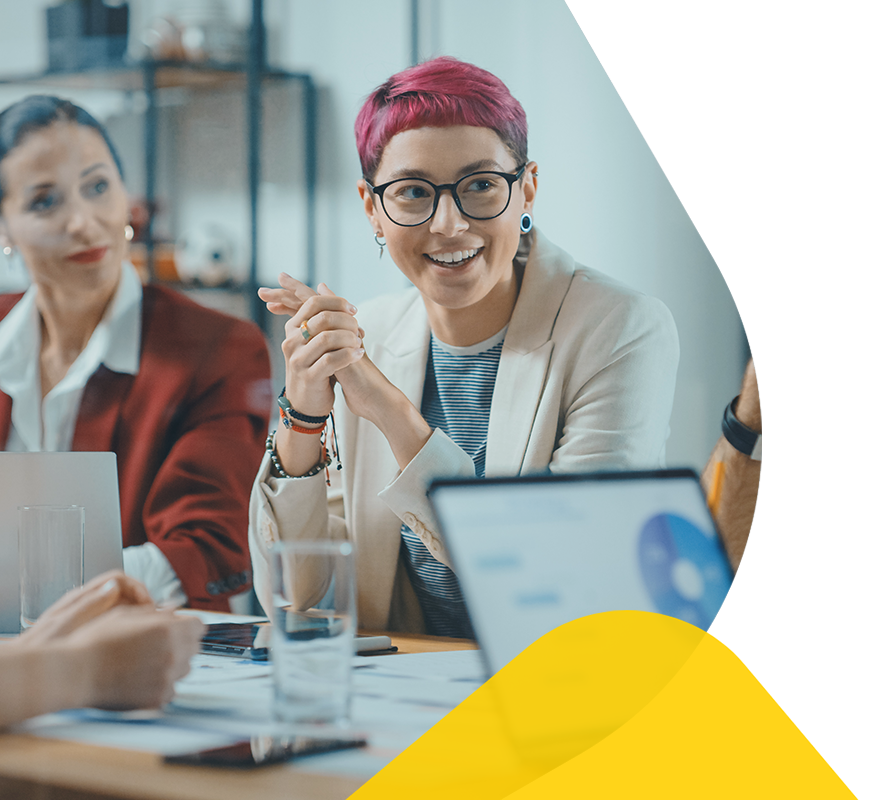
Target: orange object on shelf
[[164, 263]]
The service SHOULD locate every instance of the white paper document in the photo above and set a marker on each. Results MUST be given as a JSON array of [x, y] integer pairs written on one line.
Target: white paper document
[[213, 618], [397, 698], [456, 665]]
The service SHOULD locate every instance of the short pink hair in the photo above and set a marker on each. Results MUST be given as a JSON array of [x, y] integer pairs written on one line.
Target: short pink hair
[[439, 93]]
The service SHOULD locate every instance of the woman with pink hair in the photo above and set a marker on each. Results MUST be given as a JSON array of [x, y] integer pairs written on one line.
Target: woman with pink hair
[[505, 357]]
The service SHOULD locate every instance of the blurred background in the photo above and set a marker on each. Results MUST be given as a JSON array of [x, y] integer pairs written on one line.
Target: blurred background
[[234, 120]]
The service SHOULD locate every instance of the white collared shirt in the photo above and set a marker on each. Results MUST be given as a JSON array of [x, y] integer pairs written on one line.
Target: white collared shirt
[[48, 423]]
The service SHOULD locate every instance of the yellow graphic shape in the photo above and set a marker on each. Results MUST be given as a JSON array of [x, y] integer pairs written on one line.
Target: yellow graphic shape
[[622, 704], [713, 731], [569, 690], [828, 685]]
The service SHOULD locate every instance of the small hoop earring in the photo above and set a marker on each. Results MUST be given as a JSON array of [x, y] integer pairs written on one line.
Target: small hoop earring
[[526, 222], [380, 244], [129, 233], [7, 251]]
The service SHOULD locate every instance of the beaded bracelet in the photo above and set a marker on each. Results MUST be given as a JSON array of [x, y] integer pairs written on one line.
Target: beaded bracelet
[[276, 462]]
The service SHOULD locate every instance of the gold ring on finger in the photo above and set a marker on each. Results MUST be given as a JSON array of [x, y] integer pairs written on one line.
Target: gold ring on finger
[[306, 334]]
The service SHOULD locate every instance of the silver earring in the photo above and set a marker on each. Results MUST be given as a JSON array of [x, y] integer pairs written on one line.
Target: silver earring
[[7, 251], [129, 233], [526, 222], [380, 244]]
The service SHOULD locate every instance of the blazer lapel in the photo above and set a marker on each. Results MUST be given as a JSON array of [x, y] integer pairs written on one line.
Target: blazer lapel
[[403, 358], [5, 418], [517, 392], [99, 410], [526, 356]]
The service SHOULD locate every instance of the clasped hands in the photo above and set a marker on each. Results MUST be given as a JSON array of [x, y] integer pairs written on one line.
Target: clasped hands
[[332, 352]]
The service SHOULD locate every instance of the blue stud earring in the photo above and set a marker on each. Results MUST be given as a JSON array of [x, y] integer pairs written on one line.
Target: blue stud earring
[[526, 222]]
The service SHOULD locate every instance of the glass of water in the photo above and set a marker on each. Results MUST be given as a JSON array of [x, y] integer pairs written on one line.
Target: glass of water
[[50, 556], [314, 620]]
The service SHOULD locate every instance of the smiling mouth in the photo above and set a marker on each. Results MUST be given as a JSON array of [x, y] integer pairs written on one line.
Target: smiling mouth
[[88, 256], [455, 258]]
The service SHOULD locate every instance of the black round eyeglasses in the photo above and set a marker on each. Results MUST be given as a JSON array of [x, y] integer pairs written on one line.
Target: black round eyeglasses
[[479, 195]]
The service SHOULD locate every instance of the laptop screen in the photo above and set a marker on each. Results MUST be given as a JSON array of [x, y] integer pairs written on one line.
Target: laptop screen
[[532, 553]]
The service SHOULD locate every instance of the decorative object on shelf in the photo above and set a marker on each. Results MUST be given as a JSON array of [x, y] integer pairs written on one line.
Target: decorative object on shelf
[[164, 262], [199, 30], [206, 255], [163, 40], [86, 34], [208, 33]]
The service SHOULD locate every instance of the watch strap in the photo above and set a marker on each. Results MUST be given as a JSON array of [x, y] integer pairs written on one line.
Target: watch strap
[[739, 435]]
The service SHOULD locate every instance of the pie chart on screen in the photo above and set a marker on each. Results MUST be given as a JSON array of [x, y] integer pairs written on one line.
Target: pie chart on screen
[[684, 568]]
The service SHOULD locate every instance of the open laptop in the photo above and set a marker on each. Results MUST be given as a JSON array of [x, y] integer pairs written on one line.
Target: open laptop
[[84, 479], [532, 553]]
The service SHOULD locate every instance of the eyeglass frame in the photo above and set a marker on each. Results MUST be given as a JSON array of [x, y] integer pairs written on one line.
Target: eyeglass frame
[[510, 178]]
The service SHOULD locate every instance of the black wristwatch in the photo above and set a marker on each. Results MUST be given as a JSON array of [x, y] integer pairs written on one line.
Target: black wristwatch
[[741, 436]]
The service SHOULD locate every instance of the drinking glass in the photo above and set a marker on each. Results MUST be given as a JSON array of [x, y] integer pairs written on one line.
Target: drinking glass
[[50, 556], [314, 620]]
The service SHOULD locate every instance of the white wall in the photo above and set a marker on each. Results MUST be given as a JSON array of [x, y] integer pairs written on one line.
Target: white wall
[[349, 48], [602, 195]]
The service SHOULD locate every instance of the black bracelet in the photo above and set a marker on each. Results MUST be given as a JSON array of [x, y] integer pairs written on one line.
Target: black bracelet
[[288, 410], [739, 435]]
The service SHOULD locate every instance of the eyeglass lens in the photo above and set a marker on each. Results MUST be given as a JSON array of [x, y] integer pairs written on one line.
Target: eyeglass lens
[[482, 196]]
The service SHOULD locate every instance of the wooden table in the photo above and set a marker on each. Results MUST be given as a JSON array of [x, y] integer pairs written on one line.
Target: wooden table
[[32, 768]]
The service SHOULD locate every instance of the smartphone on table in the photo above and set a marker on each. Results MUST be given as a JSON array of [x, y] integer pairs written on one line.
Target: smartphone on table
[[246, 640], [263, 750]]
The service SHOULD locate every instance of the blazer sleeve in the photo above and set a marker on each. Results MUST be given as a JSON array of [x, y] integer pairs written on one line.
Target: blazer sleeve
[[619, 395], [290, 509], [406, 494], [196, 508]]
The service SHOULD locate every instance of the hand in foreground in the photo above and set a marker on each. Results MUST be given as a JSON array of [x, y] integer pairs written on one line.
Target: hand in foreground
[[103, 645], [134, 654], [335, 341], [82, 605]]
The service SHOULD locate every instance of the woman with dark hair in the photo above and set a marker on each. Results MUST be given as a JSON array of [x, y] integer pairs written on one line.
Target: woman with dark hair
[[92, 360], [506, 357]]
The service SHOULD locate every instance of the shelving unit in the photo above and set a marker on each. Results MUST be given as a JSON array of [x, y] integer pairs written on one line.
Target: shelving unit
[[151, 77]]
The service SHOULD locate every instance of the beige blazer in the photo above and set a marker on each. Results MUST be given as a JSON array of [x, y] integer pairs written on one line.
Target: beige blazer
[[585, 382]]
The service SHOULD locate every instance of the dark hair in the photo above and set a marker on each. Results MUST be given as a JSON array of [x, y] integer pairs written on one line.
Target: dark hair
[[38, 111]]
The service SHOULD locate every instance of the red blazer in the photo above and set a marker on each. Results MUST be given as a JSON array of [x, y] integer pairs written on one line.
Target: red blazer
[[188, 432]]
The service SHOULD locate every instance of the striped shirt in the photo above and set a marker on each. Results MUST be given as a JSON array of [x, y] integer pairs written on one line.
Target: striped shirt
[[458, 388]]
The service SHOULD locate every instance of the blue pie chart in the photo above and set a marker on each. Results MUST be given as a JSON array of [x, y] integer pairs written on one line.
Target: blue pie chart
[[684, 569]]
